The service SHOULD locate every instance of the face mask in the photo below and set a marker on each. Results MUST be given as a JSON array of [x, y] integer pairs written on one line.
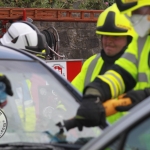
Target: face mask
[[141, 24]]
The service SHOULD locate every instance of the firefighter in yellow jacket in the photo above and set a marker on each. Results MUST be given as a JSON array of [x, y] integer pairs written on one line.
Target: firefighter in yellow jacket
[[114, 44], [115, 35], [133, 67]]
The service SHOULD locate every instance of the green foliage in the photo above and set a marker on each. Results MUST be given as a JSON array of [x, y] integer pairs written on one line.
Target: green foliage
[[90, 4], [64, 4], [26, 3]]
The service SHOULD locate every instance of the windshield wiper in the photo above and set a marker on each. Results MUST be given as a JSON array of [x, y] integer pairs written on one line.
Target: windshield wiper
[[22, 146]]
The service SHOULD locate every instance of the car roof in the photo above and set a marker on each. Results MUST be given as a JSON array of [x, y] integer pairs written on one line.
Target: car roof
[[125, 122], [14, 54]]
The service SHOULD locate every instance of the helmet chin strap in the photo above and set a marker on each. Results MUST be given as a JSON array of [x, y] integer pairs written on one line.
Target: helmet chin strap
[[101, 42]]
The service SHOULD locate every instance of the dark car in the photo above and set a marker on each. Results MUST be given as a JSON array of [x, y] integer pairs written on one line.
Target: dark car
[[42, 98], [132, 132]]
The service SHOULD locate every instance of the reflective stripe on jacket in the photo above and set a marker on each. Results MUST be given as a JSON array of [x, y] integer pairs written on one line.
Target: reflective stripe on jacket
[[89, 71]]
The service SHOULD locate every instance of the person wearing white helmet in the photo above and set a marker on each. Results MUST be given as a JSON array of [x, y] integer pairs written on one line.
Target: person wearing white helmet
[[24, 35]]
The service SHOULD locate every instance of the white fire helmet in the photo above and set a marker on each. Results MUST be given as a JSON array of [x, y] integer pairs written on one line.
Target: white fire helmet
[[24, 35]]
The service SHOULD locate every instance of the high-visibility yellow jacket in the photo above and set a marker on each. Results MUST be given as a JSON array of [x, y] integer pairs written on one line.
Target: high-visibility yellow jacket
[[95, 65], [133, 67], [89, 71]]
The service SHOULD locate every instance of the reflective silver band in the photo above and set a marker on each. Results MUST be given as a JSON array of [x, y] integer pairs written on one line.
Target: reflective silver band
[[119, 80], [142, 77], [131, 58], [112, 84], [91, 69]]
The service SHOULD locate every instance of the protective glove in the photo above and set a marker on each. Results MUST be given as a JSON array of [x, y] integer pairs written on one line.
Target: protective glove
[[135, 97], [110, 105], [6, 81], [90, 113]]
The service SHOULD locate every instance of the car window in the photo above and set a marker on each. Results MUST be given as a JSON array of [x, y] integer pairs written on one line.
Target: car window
[[137, 138], [39, 102]]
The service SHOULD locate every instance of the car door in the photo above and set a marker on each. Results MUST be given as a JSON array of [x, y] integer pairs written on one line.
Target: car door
[[132, 132], [137, 137]]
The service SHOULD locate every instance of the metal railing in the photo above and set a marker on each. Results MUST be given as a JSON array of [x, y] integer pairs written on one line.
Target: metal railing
[[45, 14]]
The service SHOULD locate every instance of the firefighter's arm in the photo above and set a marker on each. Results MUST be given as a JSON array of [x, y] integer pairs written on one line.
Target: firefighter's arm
[[112, 84], [125, 101], [136, 97]]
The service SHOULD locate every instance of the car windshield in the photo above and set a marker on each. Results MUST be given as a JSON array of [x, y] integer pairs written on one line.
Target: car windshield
[[39, 102]]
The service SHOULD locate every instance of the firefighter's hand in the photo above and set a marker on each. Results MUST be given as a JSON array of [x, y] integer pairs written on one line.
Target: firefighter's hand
[[6, 81], [135, 97], [90, 113]]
